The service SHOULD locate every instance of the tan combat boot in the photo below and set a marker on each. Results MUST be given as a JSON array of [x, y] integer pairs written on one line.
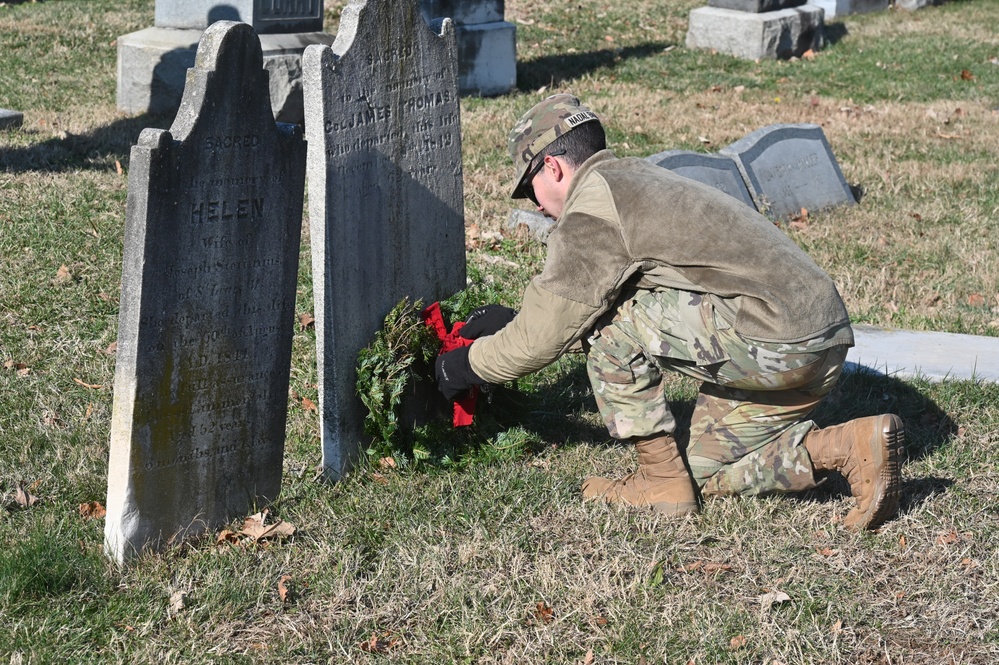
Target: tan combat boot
[[866, 452], [661, 481]]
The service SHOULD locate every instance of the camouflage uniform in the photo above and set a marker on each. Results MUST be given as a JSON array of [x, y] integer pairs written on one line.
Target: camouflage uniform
[[749, 419]]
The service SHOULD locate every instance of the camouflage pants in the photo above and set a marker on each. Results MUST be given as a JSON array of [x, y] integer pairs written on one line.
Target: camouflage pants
[[754, 400]]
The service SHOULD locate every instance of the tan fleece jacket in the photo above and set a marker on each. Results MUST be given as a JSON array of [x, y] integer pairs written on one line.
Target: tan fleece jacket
[[630, 222]]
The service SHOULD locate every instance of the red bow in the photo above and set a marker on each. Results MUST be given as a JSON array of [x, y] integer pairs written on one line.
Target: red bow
[[464, 407]]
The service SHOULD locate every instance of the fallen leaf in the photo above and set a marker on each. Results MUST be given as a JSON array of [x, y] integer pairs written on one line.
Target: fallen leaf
[[826, 551], [387, 463], [23, 497], [90, 412], [588, 658], [306, 320], [379, 478], [63, 275], [808, 55], [255, 527], [283, 592], [309, 405], [601, 620], [704, 140], [773, 598], [472, 236], [92, 510], [92, 386], [976, 300], [544, 612], [117, 167], [378, 644], [705, 566], [608, 38], [948, 538], [177, 602], [901, 542], [966, 75], [227, 537], [737, 642]]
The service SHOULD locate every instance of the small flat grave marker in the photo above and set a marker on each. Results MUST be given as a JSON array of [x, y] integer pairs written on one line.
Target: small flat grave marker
[[212, 237], [385, 191], [719, 171], [932, 355], [790, 167]]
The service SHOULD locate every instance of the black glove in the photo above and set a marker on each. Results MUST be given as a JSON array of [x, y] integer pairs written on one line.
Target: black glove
[[486, 320], [454, 373]]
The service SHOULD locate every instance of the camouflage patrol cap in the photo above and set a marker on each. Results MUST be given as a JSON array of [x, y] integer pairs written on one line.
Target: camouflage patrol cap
[[537, 128]]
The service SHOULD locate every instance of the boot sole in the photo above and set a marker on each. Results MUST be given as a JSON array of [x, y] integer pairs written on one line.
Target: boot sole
[[886, 452]]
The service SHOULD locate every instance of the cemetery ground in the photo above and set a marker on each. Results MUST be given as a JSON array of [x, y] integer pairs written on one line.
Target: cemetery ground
[[490, 556]]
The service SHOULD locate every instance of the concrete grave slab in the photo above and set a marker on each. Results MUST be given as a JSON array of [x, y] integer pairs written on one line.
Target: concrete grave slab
[[932, 355], [385, 192], [207, 312], [10, 119], [537, 224], [790, 167], [778, 34], [719, 171]]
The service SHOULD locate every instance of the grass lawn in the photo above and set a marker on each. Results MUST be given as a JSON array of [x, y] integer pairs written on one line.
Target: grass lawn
[[490, 556]]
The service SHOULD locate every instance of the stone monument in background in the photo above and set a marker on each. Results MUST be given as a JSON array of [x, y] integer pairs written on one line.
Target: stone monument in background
[[212, 239], [385, 191], [487, 44], [757, 29], [152, 63]]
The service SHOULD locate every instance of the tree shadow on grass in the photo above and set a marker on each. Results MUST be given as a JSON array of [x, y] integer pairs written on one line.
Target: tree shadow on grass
[[96, 150], [554, 70]]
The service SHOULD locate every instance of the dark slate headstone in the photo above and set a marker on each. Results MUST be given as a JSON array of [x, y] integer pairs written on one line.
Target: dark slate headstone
[[719, 171], [790, 167], [212, 240], [755, 6], [385, 191]]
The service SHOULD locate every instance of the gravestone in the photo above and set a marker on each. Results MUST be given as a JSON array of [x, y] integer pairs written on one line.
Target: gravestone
[[487, 45], [755, 6], [10, 119], [212, 237], [751, 35], [385, 191], [834, 8], [719, 171], [790, 167], [152, 63]]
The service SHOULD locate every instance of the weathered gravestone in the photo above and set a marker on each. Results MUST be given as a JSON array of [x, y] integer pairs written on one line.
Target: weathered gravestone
[[487, 45], [790, 167], [10, 119], [834, 8], [152, 62], [385, 191], [752, 32], [212, 238], [719, 171]]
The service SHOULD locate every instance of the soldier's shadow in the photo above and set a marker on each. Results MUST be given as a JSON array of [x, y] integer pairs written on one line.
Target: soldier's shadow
[[554, 413]]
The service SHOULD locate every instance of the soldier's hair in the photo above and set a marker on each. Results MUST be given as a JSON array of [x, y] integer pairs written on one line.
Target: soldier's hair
[[576, 146]]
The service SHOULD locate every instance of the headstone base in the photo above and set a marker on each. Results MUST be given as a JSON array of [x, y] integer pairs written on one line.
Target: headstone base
[[487, 58], [835, 8], [10, 119], [153, 64], [781, 34], [913, 5]]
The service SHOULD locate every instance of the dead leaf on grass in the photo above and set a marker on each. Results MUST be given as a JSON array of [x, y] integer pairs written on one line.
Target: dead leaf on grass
[[111, 350], [284, 592], [826, 551], [379, 478], [63, 275], [387, 463], [306, 320], [23, 497], [773, 598], [92, 510], [976, 300], [378, 644], [117, 167], [178, 600], [837, 627], [949, 538], [587, 659], [704, 566], [544, 612], [227, 537], [256, 528], [309, 405], [737, 642], [808, 55], [966, 75]]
